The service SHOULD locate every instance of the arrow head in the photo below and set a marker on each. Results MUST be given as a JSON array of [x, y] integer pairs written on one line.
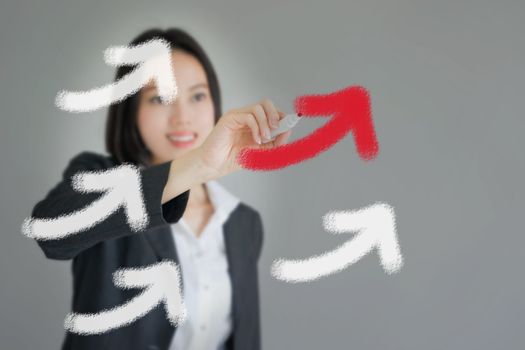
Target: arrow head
[[163, 278], [376, 222], [123, 187]]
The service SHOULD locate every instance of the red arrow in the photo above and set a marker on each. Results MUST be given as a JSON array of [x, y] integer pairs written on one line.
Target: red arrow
[[350, 110]]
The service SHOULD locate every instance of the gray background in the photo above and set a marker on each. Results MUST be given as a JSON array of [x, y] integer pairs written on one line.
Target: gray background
[[446, 80]]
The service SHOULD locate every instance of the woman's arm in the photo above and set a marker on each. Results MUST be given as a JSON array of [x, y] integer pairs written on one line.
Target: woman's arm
[[165, 187], [187, 171], [162, 205]]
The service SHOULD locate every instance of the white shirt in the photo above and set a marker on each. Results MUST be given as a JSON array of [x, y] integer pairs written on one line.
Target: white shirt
[[207, 292]]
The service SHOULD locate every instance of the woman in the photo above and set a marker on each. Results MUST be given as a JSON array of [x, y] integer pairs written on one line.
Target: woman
[[180, 149]]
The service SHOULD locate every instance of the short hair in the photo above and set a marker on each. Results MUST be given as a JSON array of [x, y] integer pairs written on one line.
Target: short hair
[[123, 140]]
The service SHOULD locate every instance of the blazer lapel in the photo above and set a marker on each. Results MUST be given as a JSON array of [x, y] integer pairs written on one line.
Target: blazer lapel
[[163, 243], [233, 241]]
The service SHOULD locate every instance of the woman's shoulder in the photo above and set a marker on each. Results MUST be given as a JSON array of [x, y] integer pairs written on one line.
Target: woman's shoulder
[[246, 210], [92, 157], [88, 160]]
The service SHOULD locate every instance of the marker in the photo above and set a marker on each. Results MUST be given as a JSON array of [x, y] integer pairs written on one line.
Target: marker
[[285, 124]]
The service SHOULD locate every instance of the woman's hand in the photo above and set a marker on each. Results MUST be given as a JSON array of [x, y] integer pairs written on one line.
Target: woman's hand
[[238, 129]]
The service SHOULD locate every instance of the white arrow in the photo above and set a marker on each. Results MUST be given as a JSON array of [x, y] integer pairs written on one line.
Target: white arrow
[[161, 283], [122, 186], [154, 62], [376, 228]]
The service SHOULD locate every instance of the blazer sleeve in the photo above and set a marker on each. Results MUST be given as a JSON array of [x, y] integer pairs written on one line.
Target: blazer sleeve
[[63, 199]]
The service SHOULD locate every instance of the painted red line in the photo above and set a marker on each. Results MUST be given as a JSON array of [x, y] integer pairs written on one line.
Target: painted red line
[[349, 109]]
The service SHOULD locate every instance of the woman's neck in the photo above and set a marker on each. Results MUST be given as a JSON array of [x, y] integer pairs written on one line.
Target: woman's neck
[[198, 196]]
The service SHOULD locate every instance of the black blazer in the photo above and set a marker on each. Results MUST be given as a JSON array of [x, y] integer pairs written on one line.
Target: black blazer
[[110, 245]]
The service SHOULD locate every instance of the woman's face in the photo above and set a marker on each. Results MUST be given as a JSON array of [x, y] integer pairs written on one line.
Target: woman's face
[[170, 130]]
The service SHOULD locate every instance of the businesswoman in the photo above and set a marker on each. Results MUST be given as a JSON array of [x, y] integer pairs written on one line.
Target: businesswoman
[[180, 150]]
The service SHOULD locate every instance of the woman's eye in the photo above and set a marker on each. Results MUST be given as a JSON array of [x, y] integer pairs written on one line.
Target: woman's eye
[[199, 96], [155, 99]]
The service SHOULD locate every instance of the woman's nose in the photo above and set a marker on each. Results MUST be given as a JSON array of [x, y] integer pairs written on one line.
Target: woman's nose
[[178, 114]]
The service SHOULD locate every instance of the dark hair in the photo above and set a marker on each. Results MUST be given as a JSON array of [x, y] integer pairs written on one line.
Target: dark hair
[[123, 140]]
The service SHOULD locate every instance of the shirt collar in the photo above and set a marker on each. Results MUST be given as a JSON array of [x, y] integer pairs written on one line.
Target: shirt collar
[[223, 201]]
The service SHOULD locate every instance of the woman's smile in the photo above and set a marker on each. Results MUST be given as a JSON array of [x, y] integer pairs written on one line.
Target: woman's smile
[[182, 139]]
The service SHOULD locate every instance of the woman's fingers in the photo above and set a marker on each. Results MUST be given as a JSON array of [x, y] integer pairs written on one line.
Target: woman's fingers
[[262, 119], [249, 120], [240, 128], [266, 117], [271, 112], [281, 138]]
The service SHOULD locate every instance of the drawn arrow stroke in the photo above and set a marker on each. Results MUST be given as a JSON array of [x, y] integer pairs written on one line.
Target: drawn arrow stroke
[[161, 283], [122, 186], [153, 60], [348, 110], [376, 228]]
